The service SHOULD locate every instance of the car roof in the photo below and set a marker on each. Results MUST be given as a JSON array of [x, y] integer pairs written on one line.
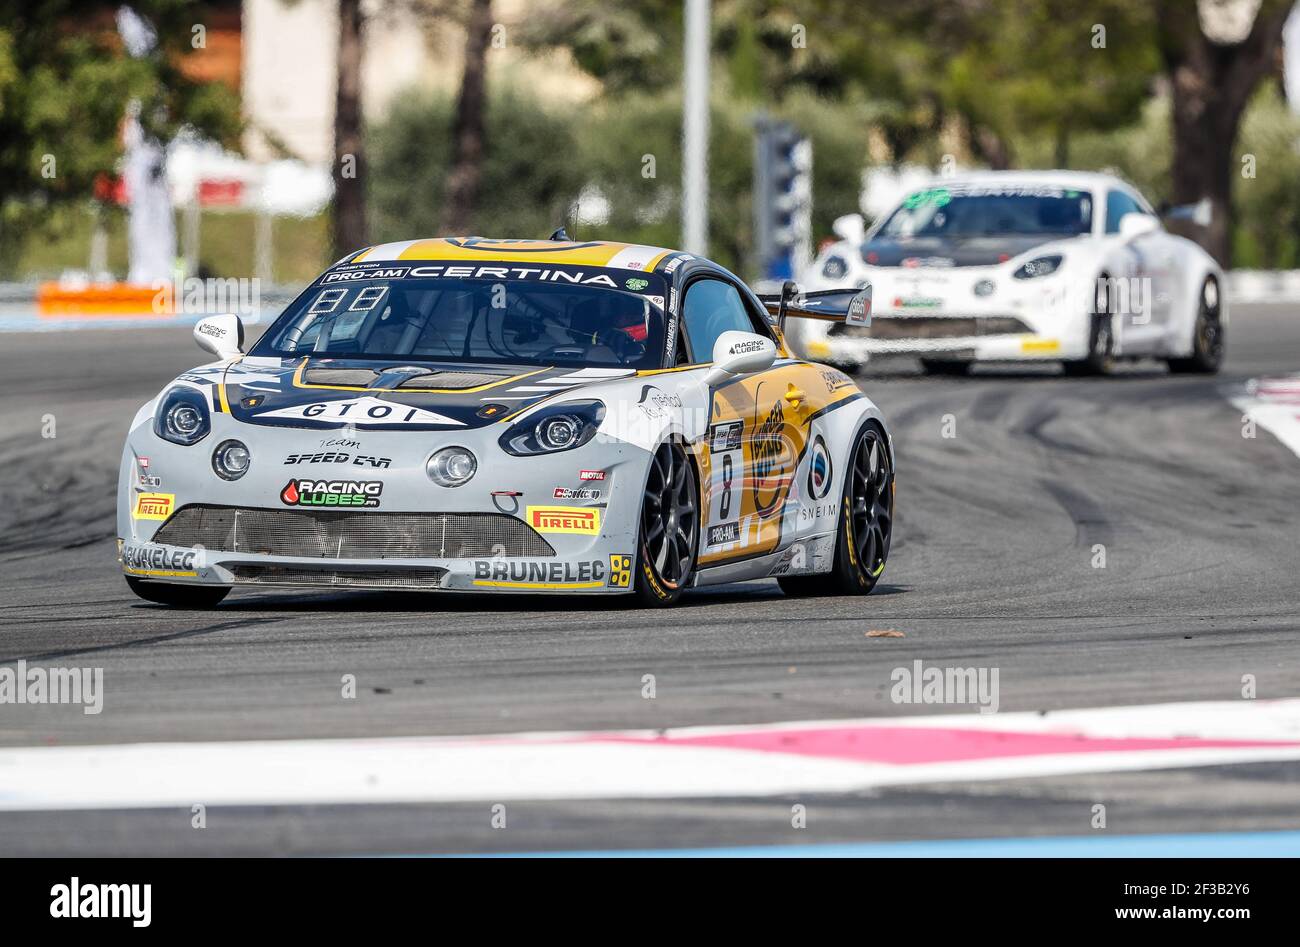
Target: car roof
[[603, 253], [1082, 180]]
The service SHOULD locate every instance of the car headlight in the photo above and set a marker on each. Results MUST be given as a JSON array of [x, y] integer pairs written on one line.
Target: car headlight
[[555, 428], [1039, 266], [231, 460], [451, 467], [183, 417]]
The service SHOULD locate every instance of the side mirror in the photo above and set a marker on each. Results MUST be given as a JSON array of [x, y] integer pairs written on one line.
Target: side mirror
[[223, 336], [1135, 225], [1201, 213], [851, 228], [740, 353]]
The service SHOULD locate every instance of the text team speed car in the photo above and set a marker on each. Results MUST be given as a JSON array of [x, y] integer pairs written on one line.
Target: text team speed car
[[510, 416], [1023, 265]]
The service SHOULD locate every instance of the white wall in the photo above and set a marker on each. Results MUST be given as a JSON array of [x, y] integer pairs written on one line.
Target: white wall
[[290, 55]]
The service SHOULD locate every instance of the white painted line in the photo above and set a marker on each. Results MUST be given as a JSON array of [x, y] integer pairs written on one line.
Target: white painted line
[[399, 771], [1274, 405], [1204, 720], [629, 764]]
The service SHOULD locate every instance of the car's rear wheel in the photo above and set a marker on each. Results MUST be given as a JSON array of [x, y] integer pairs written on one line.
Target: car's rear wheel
[[178, 596], [940, 366], [670, 527], [866, 523], [1207, 335], [1101, 336]]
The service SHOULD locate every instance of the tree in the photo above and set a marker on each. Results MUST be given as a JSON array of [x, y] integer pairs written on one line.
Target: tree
[[997, 71], [349, 230], [1213, 70], [526, 189], [64, 85], [469, 129], [1060, 68], [627, 46]]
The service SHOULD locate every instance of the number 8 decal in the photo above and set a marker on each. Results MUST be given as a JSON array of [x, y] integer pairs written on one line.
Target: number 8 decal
[[725, 512]]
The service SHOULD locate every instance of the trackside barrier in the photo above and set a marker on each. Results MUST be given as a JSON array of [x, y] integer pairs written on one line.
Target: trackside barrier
[[1263, 286]]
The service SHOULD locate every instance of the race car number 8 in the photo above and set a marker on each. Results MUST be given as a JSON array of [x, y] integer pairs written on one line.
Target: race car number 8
[[726, 486], [368, 298], [327, 301]]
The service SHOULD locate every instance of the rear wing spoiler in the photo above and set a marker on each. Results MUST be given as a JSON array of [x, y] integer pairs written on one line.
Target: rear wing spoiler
[[850, 306]]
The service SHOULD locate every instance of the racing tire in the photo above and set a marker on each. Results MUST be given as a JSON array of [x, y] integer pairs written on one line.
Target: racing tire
[[1101, 337], [866, 523], [670, 527], [1207, 336], [178, 596], [950, 367]]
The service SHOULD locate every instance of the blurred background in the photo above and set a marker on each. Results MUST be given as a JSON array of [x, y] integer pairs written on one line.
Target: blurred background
[[264, 138]]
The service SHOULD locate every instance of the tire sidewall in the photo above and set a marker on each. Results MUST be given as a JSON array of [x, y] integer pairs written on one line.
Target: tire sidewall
[[847, 565], [647, 584], [1208, 360]]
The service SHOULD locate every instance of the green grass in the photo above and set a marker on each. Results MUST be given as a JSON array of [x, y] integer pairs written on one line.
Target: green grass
[[226, 242]]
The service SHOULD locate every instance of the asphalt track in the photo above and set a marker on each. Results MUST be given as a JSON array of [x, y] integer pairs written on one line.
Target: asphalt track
[[992, 565]]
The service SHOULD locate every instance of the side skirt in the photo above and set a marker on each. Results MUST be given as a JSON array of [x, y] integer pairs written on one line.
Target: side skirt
[[818, 555]]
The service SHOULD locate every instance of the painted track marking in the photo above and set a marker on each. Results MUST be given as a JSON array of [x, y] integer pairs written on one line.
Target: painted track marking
[[742, 761], [1274, 405]]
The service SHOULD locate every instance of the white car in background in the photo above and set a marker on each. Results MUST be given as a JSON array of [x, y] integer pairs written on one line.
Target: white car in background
[[1027, 266]]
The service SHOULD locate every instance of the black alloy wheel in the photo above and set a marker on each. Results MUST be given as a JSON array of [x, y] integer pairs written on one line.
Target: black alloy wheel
[[670, 526]]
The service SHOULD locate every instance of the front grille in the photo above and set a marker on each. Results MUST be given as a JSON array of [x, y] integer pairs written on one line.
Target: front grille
[[933, 327], [344, 534], [417, 578]]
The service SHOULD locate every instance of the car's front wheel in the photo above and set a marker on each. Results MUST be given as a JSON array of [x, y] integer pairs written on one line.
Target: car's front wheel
[[1207, 335], [1101, 336], [670, 527], [178, 596], [866, 523]]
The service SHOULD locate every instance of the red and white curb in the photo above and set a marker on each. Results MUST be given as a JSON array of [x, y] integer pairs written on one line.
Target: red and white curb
[[1274, 405], [764, 760]]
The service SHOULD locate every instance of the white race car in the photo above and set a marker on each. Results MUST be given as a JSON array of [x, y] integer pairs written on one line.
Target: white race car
[[1034, 265]]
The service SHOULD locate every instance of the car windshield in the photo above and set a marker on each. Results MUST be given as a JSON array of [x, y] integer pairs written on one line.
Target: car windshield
[[979, 212], [472, 320]]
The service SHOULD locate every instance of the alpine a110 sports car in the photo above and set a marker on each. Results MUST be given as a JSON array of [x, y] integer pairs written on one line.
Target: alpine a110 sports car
[[511, 416], [1047, 265]]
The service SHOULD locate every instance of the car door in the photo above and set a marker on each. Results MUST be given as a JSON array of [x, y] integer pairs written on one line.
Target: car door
[[744, 459], [1142, 292]]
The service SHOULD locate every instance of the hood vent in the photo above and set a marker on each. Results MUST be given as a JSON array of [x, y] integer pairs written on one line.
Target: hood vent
[[408, 378], [350, 377], [454, 380]]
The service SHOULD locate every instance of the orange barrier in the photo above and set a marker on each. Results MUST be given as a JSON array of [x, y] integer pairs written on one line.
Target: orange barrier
[[54, 300]]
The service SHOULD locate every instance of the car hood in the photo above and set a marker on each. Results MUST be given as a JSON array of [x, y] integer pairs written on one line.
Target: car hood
[[327, 393], [945, 252]]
